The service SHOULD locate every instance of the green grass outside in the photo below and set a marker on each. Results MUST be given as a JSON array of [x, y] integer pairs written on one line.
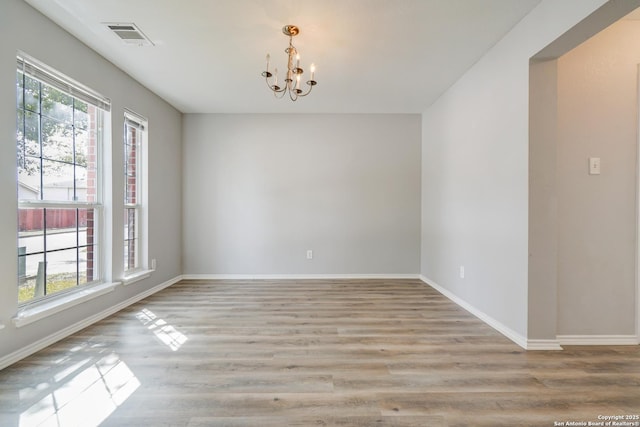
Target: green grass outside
[[56, 283]]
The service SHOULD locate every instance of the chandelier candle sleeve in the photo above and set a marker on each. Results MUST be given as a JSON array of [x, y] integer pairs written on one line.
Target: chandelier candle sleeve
[[294, 73]]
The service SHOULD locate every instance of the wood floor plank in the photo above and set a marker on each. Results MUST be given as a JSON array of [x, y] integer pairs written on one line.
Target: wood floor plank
[[328, 421], [302, 353]]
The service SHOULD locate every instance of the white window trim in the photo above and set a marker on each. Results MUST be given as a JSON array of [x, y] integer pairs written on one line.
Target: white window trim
[[136, 276], [142, 271], [58, 204], [52, 77], [55, 304]]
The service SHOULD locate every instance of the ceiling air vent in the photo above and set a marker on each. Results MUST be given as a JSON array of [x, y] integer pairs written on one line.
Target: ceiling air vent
[[129, 33]]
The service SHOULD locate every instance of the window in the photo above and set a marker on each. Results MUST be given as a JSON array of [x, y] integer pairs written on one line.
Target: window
[[58, 134], [135, 129]]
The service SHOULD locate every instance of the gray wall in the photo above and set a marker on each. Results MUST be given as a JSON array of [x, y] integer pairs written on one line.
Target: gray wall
[[259, 190], [475, 172], [22, 28], [543, 200], [598, 117]]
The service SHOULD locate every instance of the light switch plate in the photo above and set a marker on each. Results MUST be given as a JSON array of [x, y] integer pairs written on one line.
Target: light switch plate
[[594, 165]]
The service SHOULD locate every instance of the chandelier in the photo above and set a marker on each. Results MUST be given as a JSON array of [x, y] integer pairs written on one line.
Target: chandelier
[[294, 73]]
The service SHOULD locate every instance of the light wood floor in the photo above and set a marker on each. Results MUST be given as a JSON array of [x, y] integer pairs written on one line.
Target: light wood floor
[[310, 353]]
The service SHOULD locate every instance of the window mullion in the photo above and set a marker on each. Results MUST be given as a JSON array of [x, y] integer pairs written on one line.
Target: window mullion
[[24, 122], [73, 148], [41, 146], [44, 245], [77, 246]]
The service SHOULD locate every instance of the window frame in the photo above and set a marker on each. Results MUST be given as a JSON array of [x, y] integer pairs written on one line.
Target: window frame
[[141, 126], [47, 76]]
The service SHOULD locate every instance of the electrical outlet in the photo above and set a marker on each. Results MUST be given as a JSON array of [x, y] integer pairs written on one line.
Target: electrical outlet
[[309, 254], [462, 271], [153, 264]]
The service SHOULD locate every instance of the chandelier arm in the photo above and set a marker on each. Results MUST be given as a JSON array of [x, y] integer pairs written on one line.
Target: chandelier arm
[[278, 93], [279, 90], [271, 87], [267, 75], [311, 84], [289, 85]]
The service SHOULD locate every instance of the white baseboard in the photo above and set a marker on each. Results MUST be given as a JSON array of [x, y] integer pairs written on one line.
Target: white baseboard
[[498, 326], [533, 344], [296, 276], [40, 344], [598, 340]]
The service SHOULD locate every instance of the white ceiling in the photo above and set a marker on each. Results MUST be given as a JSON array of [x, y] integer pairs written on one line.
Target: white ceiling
[[372, 56]]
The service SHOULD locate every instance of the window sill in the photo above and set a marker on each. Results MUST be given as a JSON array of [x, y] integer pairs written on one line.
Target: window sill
[[47, 308], [136, 277]]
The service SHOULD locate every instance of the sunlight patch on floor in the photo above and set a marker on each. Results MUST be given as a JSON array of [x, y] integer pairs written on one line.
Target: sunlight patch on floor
[[85, 397], [166, 333]]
